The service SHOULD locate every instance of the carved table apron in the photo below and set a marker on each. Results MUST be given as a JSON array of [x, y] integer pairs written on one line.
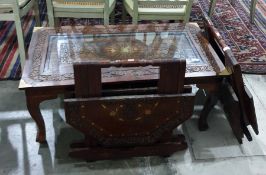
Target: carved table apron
[[49, 71]]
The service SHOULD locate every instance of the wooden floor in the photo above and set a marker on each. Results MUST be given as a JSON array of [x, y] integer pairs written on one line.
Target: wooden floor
[[216, 153]]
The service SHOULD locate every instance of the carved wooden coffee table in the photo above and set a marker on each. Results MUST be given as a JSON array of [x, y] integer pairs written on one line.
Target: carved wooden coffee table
[[49, 70]]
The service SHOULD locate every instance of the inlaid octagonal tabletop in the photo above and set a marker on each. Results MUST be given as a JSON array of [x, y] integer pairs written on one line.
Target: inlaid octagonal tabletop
[[53, 51]]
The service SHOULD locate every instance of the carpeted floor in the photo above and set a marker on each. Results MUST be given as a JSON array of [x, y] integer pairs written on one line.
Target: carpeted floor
[[248, 41]]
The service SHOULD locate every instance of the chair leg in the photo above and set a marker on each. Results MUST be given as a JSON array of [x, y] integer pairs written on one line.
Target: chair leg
[[134, 20], [113, 17], [50, 13], [252, 10], [123, 14], [212, 6], [56, 22], [186, 20], [106, 18], [188, 12], [37, 14], [51, 21], [106, 21], [21, 44]]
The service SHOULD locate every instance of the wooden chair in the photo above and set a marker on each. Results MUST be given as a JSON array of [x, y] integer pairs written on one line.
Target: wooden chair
[[158, 9], [14, 10], [252, 8], [79, 9], [126, 122]]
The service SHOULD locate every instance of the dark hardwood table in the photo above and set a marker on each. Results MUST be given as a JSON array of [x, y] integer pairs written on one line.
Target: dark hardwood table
[[210, 65]]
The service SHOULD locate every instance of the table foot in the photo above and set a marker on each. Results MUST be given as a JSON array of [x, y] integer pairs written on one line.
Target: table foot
[[33, 105], [41, 137]]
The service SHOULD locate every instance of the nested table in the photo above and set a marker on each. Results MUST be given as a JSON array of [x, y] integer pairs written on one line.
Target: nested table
[[49, 70]]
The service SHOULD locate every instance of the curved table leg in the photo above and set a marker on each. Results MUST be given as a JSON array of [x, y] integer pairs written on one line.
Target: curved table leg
[[209, 104], [34, 99]]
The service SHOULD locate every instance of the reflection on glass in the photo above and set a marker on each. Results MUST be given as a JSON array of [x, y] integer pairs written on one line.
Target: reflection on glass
[[124, 46]]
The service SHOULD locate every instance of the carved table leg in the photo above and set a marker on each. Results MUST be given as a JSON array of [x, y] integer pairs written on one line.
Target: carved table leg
[[209, 104], [33, 104]]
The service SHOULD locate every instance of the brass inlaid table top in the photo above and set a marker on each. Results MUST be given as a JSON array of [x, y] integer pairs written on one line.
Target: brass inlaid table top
[[53, 51]]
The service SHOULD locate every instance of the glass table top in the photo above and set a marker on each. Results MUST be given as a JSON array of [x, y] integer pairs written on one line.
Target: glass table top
[[124, 47], [53, 51]]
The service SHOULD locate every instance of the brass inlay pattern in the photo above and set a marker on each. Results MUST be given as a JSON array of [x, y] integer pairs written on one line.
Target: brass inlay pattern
[[121, 119], [147, 112], [113, 113], [109, 138], [132, 49]]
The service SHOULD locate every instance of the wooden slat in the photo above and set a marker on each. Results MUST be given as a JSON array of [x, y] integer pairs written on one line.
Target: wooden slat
[[161, 2], [172, 77], [88, 75], [87, 80], [80, 2]]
